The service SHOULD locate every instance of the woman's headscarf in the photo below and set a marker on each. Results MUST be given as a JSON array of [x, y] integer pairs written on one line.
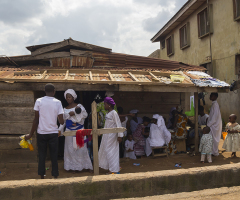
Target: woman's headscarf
[[160, 120], [109, 101], [72, 92]]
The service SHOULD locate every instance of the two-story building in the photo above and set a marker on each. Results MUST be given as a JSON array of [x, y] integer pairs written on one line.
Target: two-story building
[[206, 33]]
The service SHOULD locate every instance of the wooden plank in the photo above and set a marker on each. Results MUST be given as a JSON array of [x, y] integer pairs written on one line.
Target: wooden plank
[[43, 75], [13, 127], [154, 77], [16, 98], [16, 114], [66, 76], [52, 55], [133, 77], [110, 130], [95, 139], [98, 131], [196, 121], [110, 75], [154, 88], [59, 87], [75, 52], [90, 75], [50, 48]]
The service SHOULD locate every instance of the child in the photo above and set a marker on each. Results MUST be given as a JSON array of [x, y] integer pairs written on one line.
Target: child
[[206, 145], [231, 142], [129, 150]]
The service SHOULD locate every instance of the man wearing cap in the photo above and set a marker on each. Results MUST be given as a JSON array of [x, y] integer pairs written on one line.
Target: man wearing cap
[[135, 120]]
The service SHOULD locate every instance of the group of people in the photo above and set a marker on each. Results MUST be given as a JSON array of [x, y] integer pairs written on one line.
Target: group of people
[[143, 133]]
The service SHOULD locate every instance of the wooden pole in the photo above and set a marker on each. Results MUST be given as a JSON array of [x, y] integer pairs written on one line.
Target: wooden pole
[[196, 121], [95, 139]]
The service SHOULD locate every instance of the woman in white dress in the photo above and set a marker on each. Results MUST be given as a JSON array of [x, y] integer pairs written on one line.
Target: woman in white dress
[[135, 121], [109, 148], [74, 158]]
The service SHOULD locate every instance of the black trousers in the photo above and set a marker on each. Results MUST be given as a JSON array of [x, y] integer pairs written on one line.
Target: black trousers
[[52, 141]]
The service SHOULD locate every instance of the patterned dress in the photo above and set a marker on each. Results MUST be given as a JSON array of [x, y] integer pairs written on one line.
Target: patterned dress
[[181, 133], [231, 143], [140, 141]]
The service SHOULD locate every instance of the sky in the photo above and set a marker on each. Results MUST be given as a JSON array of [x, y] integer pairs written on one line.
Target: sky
[[125, 26]]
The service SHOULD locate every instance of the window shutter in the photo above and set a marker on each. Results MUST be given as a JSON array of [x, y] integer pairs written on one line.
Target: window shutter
[[172, 43], [211, 18], [237, 64], [188, 33]]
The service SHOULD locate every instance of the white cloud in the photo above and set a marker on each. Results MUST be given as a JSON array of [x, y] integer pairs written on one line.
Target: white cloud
[[126, 26]]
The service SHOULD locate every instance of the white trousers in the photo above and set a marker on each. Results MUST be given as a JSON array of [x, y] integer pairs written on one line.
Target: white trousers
[[209, 157]]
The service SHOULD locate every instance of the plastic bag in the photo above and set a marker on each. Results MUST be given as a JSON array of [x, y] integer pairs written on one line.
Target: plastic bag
[[26, 144]]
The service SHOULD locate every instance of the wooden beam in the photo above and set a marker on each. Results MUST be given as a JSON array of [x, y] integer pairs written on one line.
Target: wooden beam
[[154, 77], [196, 121], [133, 77], [43, 75], [98, 131], [95, 139], [110, 75], [66, 76], [90, 75]]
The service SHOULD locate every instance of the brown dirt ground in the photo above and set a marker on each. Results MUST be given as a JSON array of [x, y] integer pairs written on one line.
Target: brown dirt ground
[[146, 164]]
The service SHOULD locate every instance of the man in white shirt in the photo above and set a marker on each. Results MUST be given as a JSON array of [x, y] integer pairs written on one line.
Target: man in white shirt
[[215, 123], [47, 111]]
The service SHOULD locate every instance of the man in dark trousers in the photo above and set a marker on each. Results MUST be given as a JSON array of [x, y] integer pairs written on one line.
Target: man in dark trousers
[[47, 110]]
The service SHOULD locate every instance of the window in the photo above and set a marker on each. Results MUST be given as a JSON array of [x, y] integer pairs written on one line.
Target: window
[[162, 44], [170, 47], [237, 65], [236, 9], [205, 24], [184, 34]]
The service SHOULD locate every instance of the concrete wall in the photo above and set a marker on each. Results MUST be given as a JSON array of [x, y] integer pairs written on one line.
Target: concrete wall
[[123, 185], [225, 44]]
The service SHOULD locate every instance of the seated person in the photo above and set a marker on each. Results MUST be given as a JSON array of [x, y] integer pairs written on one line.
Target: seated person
[[159, 135], [129, 147], [202, 120], [139, 137], [179, 126]]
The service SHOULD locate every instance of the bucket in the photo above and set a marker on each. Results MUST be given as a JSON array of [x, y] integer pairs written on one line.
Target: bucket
[[177, 78], [224, 135]]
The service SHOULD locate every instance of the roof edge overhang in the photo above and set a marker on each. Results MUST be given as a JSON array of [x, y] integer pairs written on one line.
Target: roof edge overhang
[[186, 10]]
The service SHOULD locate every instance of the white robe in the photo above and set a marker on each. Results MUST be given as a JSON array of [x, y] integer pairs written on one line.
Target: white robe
[[124, 125], [109, 148], [75, 158], [129, 145], [215, 124], [158, 136]]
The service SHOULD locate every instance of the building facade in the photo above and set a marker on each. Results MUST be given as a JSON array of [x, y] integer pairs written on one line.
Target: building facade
[[206, 33]]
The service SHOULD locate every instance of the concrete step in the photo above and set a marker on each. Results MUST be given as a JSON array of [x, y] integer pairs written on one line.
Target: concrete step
[[123, 185]]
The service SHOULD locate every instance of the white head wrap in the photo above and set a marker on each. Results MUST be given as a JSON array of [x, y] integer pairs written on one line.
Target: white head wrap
[[134, 111], [72, 92], [109, 94], [160, 120]]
